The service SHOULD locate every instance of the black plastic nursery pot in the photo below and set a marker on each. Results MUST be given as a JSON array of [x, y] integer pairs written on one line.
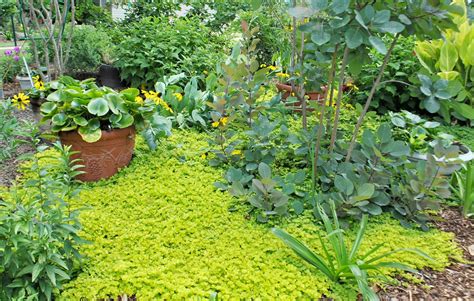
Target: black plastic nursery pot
[[109, 76]]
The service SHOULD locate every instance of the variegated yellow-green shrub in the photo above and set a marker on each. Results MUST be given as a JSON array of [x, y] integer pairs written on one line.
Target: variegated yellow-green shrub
[[452, 59], [159, 230]]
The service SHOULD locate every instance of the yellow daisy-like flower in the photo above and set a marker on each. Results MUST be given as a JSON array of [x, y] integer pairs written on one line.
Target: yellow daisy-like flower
[[282, 75], [236, 152], [272, 68], [215, 124], [178, 96], [39, 85], [21, 101], [139, 100], [203, 156], [263, 66], [224, 120], [36, 78]]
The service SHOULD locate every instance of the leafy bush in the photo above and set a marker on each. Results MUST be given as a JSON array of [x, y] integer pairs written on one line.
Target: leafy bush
[[216, 14], [87, 12], [87, 48], [155, 47], [273, 37], [450, 61], [394, 93], [39, 231]]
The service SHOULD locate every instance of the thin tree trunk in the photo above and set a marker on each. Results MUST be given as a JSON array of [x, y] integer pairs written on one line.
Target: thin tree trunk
[[339, 98], [330, 86], [369, 99], [322, 113], [301, 89]]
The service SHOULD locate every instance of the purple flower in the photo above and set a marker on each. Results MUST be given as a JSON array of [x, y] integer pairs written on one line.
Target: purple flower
[[16, 58], [17, 49], [8, 52]]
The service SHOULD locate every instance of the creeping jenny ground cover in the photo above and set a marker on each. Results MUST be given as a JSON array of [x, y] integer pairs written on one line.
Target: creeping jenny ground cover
[[159, 229]]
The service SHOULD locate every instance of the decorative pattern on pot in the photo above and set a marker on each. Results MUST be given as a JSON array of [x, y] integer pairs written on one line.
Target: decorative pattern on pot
[[104, 158]]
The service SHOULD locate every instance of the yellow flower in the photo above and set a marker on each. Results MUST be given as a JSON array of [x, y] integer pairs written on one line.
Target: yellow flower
[[36, 78], [21, 101], [139, 100], [263, 66], [178, 96], [223, 121], [236, 152], [203, 156], [272, 68], [39, 85], [283, 75]]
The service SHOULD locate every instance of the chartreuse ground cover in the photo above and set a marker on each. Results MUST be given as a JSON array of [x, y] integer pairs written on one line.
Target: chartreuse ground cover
[[159, 229]]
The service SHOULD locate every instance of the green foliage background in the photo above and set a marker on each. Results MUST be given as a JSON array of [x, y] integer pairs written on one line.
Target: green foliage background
[[160, 230]]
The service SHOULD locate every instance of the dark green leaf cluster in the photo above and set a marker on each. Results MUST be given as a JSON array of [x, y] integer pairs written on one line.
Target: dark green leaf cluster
[[155, 47], [39, 231]]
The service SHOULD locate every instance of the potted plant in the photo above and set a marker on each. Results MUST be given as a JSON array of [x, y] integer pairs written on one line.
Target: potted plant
[[100, 123]]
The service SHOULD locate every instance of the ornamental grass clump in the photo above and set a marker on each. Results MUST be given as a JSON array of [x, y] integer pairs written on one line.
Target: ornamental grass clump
[[341, 264]]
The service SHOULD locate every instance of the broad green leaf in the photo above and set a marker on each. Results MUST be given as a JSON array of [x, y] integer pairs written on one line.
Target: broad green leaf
[[463, 109], [382, 16], [448, 57], [340, 6], [392, 27], [79, 120], [431, 104], [264, 170], [320, 36], [48, 107], [404, 19], [343, 185], [319, 4], [378, 44], [300, 12], [354, 37], [366, 190], [450, 75], [89, 135], [98, 106], [59, 119]]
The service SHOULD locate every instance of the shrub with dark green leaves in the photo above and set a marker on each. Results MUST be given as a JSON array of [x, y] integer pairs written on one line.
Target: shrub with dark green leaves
[[155, 47], [38, 229], [87, 48]]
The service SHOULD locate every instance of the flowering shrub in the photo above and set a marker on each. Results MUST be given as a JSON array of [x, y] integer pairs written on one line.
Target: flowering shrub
[[10, 64]]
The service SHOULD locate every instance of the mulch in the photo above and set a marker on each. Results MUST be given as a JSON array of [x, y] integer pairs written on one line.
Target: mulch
[[456, 282]]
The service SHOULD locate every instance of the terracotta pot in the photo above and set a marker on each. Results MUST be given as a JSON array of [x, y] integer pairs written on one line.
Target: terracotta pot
[[102, 159], [313, 96]]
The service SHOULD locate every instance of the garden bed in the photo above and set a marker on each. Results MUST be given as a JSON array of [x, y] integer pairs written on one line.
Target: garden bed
[[159, 230]]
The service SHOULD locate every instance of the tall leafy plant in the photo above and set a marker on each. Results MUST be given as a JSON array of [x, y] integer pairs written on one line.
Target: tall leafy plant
[[452, 60]]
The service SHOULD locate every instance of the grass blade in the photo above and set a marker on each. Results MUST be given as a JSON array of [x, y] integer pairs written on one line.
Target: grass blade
[[360, 235], [304, 252]]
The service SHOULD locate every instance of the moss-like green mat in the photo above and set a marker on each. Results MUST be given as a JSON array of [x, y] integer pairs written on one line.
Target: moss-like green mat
[[159, 230]]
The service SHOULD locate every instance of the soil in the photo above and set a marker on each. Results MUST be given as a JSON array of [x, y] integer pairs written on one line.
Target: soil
[[9, 168], [456, 282]]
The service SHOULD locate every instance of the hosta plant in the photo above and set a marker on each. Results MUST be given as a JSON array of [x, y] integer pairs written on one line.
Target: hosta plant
[[341, 263], [89, 109]]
